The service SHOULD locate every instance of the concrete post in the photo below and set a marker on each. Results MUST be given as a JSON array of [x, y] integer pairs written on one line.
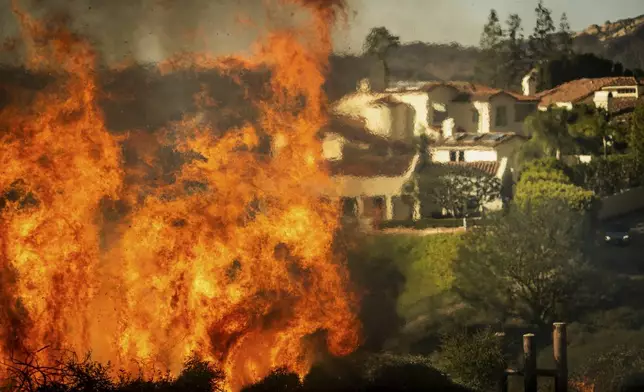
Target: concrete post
[[559, 345], [359, 207], [529, 363]]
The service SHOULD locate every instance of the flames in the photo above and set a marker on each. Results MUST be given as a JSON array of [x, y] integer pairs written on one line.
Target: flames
[[232, 260]]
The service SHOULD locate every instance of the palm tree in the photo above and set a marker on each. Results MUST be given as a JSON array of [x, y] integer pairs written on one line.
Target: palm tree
[[378, 42]]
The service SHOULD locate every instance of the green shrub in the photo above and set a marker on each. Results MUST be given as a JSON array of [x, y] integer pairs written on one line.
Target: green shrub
[[424, 261], [547, 179], [535, 193], [610, 175], [475, 361]]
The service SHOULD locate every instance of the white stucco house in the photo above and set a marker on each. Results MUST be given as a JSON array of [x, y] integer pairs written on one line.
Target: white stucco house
[[369, 171], [410, 110], [617, 95]]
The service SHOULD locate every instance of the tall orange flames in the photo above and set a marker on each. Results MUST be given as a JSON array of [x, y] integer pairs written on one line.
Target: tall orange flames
[[238, 269]]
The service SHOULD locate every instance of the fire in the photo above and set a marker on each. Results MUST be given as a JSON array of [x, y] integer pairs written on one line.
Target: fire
[[232, 260]]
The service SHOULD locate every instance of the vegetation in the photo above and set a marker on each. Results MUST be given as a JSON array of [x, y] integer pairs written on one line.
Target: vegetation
[[543, 181], [534, 266], [379, 42], [424, 264], [475, 361], [550, 136], [71, 374], [457, 189]]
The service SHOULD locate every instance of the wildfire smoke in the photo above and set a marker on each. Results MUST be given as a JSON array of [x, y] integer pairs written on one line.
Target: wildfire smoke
[[231, 260]]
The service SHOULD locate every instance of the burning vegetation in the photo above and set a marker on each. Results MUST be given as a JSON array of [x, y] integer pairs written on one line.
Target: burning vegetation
[[231, 259]]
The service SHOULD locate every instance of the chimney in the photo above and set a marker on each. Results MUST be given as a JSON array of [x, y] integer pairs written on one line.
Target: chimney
[[364, 86], [529, 83], [604, 100], [448, 127]]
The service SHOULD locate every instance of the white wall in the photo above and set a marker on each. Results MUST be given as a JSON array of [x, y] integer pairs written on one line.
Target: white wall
[[419, 101], [442, 155], [461, 112], [614, 90], [332, 146], [484, 116], [480, 155]]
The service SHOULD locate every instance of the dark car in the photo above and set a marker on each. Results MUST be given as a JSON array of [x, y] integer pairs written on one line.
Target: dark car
[[618, 235]]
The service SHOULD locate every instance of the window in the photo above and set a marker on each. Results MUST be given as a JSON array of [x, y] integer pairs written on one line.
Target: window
[[439, 117], [349, 206], [475, 116], [523, 110], [501, 119], [457, 156], [626, 91]]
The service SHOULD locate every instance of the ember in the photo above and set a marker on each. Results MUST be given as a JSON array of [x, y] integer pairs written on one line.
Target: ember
[[192, 267]]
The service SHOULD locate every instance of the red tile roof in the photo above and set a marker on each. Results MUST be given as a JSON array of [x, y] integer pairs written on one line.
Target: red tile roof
[[372, 166], [577, 90], [486, 167], [625, 105], [475, 92], [477, 140]]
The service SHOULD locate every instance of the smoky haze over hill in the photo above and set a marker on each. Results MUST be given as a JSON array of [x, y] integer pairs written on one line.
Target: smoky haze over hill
[[149, 31]]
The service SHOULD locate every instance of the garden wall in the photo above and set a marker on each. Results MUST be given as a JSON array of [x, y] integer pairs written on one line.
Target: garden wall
[[622, 203]]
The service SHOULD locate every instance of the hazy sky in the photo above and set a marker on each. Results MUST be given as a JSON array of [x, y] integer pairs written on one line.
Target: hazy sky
[[462, 20]]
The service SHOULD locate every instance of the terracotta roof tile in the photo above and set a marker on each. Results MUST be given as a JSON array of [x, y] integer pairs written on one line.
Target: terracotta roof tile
[[577, 90], [625, 105], [486, 167], [372, 166], [485, 140], [469, 91]]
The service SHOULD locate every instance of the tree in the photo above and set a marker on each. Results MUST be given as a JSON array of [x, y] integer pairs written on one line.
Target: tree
[[563, 69], [378, 43], [592, 123], [528, 264], [564, 36], [514, 56], [542, 41], [635, 137], [458, 189], [550, 135], [490, 66]]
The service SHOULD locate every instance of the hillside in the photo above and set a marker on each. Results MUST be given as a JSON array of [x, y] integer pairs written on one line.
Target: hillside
[[621, 41], [414, 61]]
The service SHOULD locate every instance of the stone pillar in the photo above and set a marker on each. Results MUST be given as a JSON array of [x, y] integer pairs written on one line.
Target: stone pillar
[[415, 215], [389, 208], [359, 207]]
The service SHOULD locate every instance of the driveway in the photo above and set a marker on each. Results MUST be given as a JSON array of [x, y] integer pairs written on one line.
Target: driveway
[[628, 260]]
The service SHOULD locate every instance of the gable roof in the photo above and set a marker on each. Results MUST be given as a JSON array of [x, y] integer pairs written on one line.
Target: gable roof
[[476, 140], [355, 130], [577, 90]]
